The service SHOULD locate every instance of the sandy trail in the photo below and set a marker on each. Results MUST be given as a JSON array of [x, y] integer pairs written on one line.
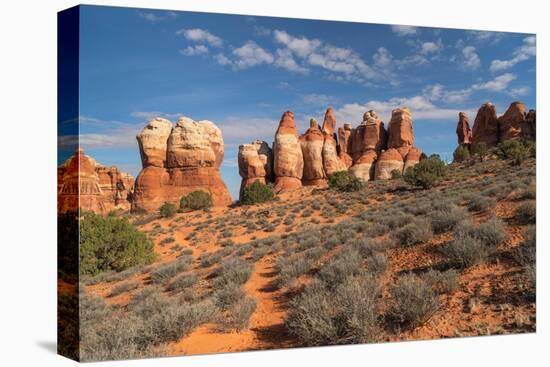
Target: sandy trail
[[266, 329]]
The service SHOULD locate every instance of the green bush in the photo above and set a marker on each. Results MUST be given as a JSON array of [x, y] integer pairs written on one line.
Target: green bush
[[395, 174], [427, 173], [196, 200], [517, 150], [526, 212], [111, 243], [461, 154], [257, 193], [344, 181], [167, 210]]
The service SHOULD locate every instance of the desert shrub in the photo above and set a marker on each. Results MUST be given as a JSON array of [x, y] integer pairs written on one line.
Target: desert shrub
[[196, 200], [377, 263], [480, 203], [344, 181], [413, 301], [396, 174], [527, 212], [233, 270], [167, 240], [257, 193], [182, 282], [446, 219], [466, 248], [526, 253], [340, 267], [241, 313], [480, 150], [516, 150], [122, 288], [427, 173], [167, 210], [228, 295], [492, 232], [347, 314], [414, 233], [442, 281], [461, 154], [164, 273], [111, 243], [291, 267], [208, 259]]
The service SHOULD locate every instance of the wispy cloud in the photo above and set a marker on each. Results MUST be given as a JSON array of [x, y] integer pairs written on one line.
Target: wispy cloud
[[157, 16], [200, 35], [195, 50], [250, 54], [527, 50], [404, 30], [318, 99]]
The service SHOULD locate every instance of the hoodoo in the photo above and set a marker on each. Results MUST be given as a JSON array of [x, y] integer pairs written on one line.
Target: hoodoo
[[178, 160], [288, 161]]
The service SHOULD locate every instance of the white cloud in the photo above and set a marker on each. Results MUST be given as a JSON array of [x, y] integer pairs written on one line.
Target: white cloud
[[239, 130], [301, 46], [498, 84], [318, 99], [522, 53], [222, 59], [421, 108], [157, 16], [285, 60], [471, 60], [148, 115], [430, 47], [518, 92], [404, 30], [486, 36], [107, 134], [250, 54], [194, 50], [201, 35]]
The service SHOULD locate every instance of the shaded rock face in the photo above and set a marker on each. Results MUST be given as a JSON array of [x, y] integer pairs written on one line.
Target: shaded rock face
[[369, 135], [364, 167], [486, 126], [513, 123], [331, 161], [288, 162], [84, 184], [344, 145], [255, 163], [463, 131], [312, 151], [400, 131], [194, 151]]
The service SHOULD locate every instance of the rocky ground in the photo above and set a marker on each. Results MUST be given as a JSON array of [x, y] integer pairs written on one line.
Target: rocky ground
[[247, 277]]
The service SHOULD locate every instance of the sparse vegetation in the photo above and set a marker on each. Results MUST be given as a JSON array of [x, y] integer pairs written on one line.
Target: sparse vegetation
[[196, 200], [344, 181], [461, 154], [257, 193], [167, 210]]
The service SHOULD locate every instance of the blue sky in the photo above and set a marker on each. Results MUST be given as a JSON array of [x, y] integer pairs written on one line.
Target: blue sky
[[243, 72]]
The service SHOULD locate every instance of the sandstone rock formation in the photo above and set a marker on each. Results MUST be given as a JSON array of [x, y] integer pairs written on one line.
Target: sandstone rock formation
[[513, 123], [400, 130], [344, 145], [85, 184], [312, 151], [486, 126], [255, 163], [463, 131], [193, 153], [388, 161], [288, 162], [331, 161], [363, 167]]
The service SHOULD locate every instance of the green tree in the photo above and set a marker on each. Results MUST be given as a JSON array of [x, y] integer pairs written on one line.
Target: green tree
[[427, 173], [111, 243], [480, 150], [196, 200], [461, 154], [257, 193], [344, 181]]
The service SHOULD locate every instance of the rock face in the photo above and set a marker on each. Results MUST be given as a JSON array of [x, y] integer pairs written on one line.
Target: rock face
[[312, 151], [400, 130], [84, 184], [344, 145], [288, 162], [331, 161], [388, 161], [513, 123], [463, 131], [193, 152], [363, 168], [255, 163], [486, 126]]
